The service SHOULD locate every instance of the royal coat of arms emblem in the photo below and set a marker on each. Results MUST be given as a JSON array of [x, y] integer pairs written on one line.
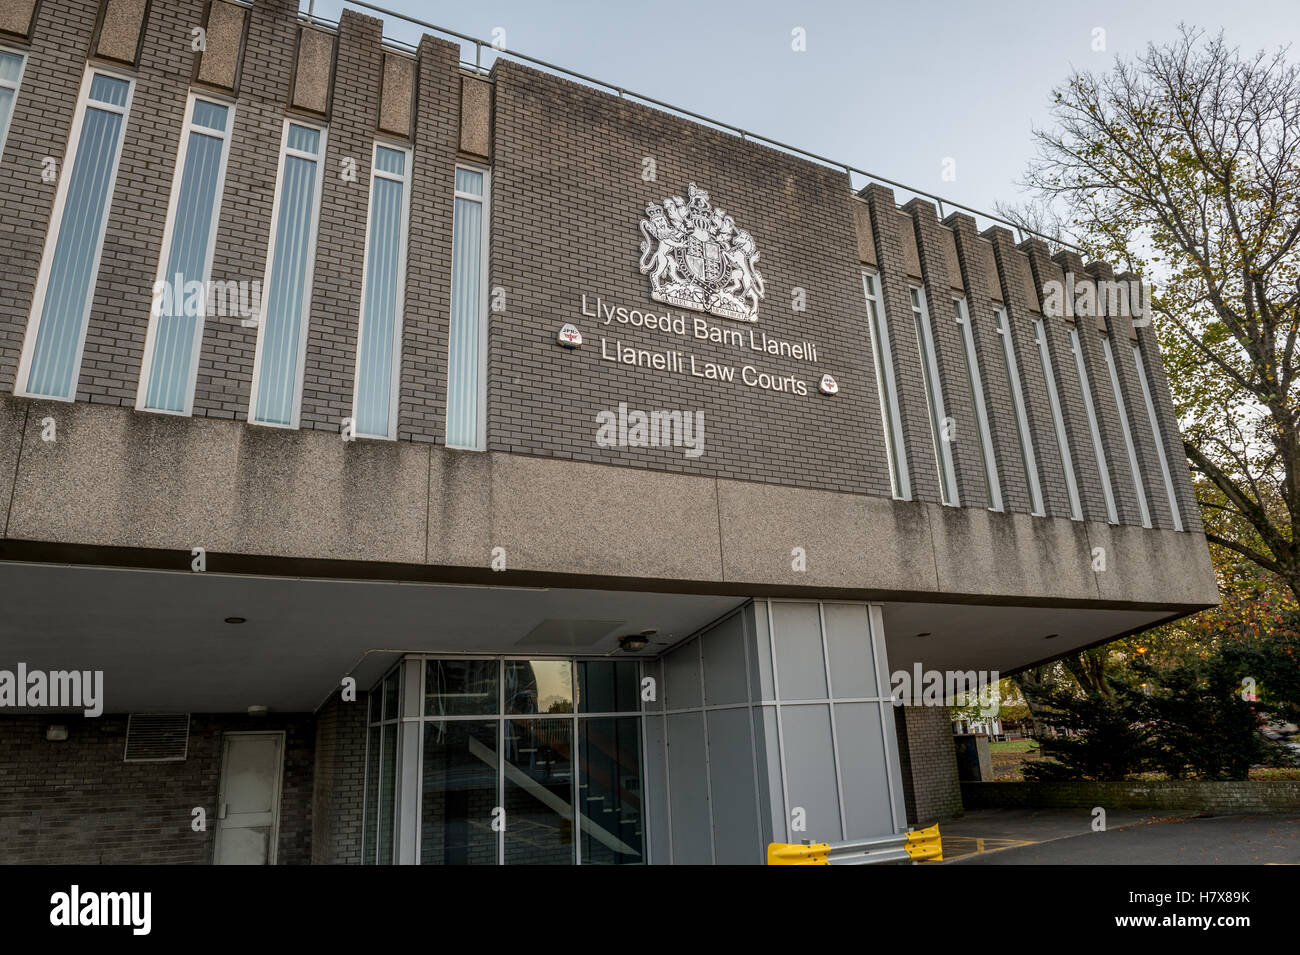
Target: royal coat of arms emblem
[[697, 259]]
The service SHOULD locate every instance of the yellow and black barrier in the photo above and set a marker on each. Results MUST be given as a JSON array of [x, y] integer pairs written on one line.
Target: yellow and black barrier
[[923, 845]]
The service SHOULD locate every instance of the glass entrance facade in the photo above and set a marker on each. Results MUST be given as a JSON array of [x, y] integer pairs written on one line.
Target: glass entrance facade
[[516, 761]]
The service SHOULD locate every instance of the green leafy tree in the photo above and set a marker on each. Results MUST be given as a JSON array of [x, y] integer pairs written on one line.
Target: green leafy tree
[[1109, 743], [1183, 166], [1199, 723]]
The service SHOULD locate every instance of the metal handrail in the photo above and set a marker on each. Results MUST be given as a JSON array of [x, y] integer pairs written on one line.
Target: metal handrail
[[745, 135]]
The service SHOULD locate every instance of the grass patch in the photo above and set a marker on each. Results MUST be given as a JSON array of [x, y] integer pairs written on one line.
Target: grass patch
[[1013, 746]]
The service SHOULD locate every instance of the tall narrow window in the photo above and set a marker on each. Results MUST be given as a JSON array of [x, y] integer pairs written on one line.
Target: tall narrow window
[[1027, 457], [65, 286], [379, 344], [11, 76], [180, 294], [1098, 451], [1138, 484], [880, 346], [1058, 421], [976, 386], [1155, 435], [286, 294], [467, 345], [939, 424]]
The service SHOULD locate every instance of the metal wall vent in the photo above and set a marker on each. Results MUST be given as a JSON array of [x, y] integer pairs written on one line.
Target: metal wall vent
[[156, 737]]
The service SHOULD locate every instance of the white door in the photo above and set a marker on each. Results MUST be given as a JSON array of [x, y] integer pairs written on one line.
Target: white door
[[248, 806]]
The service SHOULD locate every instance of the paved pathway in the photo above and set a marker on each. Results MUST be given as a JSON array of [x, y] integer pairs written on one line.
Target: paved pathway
[[1065, 837]]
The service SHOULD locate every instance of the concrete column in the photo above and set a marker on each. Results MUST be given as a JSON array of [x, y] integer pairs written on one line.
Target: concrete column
[[929, 764]]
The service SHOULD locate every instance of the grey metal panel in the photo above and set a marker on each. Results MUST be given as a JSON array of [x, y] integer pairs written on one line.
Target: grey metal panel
[[767, 759], [654, 669], [810, 773], [724, 662], [682, 677], [655, 788], [848, 644], [736, 832], [800, 670], [890, 731], [760, 659], [863, 770], [688, 796]]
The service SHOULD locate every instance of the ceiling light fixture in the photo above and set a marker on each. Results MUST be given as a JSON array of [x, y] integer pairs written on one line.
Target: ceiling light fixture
[[236, 620], [632, 643]]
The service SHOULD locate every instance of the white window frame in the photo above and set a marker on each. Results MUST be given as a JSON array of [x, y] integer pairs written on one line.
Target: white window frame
[[976, 383], [182, 151], [1098, 450], [16, 86], [1157, 437], [1026, 438], [56, 225], [308, 278], [1058, 420], [1138, 484], [394, 390], [899, 479], [934, 398], [485, 245]]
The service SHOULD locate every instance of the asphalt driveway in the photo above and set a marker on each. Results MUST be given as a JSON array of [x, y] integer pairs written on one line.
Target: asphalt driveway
[[1065, 837]]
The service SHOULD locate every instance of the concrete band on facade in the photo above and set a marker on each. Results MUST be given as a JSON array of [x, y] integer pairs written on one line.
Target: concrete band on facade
[[368, 558]]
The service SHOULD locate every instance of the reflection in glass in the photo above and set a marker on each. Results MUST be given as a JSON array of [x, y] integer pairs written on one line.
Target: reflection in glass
[[607, 686], [460, 687], [387, 794], [610, 753], [459, 792], [539, 792], [372, 792], [539, 686], [390, 696]]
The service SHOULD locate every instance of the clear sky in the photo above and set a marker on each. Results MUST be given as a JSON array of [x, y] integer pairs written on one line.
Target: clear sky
[[894, 88]]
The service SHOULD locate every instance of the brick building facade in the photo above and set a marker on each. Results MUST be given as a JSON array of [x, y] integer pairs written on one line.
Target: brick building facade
[[207, 563]]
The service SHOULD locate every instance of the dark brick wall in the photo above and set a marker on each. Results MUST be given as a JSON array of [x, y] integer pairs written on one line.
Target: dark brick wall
[[339, 782], [76, 802], [567, 196], [928, 761]]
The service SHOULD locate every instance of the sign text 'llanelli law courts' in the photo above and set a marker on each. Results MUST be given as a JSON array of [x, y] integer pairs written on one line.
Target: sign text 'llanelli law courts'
[[695, 328]]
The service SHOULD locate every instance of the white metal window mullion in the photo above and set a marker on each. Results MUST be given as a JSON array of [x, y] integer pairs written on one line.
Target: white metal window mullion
[[1099, 452], [1157, 438], [57, 224], [403, 213], [1028, 458], [976, 383], [1058, 421], [188, 131], [1138, 484], [15, 85]]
